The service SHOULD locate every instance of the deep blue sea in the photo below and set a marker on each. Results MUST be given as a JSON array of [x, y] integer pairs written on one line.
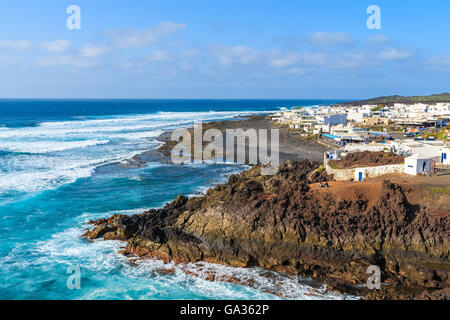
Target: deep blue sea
[[62, 164]]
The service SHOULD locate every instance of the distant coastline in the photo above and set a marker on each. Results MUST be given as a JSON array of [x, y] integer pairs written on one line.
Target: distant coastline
[[390, 100], [293, 146]]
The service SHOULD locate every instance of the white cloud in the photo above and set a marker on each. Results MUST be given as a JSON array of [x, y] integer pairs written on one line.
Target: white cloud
[[92, 50], [85, 58], [190, 53], [306, 58], [142, 38], [440, 62], [295, 70], [442, 59], [16, 45], [65, 60], [53, 61], [351, 60], [10, 60], [330, 38], [227, 56], [286, 61], [378, 39], [56, 46], [243, 54], [315, 58], [158, 56], [186, 66], [394, 54]]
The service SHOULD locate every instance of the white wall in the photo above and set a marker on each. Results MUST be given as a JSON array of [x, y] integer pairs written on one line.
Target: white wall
[[446, 151], [366, 147], [414, 166], [411, 166], [368, 172]]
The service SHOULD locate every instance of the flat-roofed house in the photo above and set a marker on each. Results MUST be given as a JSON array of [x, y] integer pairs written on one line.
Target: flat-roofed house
[[445, 156], [419, 164]]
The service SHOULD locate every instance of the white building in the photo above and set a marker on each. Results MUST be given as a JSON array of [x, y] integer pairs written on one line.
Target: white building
[[373, 147], [418, 164], [445, 156], [430, 149], [357, 116]]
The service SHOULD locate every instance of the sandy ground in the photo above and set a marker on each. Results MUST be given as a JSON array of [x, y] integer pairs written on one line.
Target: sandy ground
[[431, 192], [441, 179]]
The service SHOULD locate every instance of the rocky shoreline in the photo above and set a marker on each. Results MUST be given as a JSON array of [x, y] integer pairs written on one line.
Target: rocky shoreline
[[285, 223], [279, 223], [292, 145]]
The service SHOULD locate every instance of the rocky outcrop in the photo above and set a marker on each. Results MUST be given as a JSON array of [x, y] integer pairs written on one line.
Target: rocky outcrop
[[279, 222], [367, 159]]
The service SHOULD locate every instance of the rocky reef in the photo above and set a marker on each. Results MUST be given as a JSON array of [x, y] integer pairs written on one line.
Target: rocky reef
[[285, 223]]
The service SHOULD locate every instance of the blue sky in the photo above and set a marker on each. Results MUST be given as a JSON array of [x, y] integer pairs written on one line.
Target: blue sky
[[223, 49]]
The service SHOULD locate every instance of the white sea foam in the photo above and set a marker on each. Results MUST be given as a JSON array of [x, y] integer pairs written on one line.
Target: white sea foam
[[88, 216], [185, 116], [137, 135], [145, 276], [42, 180], [81, 145], [47, 146], [32, 173], [281, 285], [77, 129]]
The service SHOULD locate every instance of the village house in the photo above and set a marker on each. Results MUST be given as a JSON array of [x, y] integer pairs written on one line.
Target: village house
[[418, 164]]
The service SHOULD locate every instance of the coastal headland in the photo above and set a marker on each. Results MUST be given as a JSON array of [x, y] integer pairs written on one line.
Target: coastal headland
[[285, 223], [293, 146]]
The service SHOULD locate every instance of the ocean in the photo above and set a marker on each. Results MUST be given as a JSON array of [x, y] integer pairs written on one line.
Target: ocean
[[64, 162]]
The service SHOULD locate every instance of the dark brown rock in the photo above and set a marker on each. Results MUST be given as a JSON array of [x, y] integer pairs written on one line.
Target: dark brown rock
[[279, 222]]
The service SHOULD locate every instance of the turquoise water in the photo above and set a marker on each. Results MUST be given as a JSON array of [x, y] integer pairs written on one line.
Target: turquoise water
[[63, 163]]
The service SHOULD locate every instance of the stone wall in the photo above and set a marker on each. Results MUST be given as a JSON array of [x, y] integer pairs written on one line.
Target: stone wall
[[369, 172]]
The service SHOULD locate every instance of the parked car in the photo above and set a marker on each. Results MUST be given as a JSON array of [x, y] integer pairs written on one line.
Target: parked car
[[403, 153]]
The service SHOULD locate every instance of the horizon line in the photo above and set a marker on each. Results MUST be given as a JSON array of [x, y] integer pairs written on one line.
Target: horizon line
[[230, 99]]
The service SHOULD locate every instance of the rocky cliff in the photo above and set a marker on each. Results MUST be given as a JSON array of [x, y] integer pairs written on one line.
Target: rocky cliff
[[284, 223]]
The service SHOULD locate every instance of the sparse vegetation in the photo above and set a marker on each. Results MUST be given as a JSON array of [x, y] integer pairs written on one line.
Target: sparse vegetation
[[440, 190], [380, 107], [442, 135], [390, 100]]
